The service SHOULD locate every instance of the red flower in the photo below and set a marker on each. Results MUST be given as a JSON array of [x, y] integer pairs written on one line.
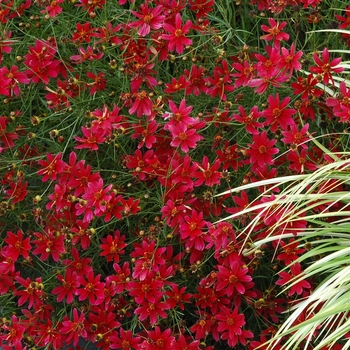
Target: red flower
[[17, 245], [299, 161], [261, 151], [306, 87], [91, 6], [201, 7], [184, 137], [290, 59], [296, 137], [277, 114], [152, 310], [177, 39], [93, 137], [6, 138], [177, 85], [296, 288], [125, 341], [179, 115], [10, 78], [48, 243], [149, 18], [79, 265], [345, 21], [230, 324], [112, 247], [146, 133], [74, 329], [291, 251], [250, 120], [219, 84], [196, 83], [53, 9], [92, 289], [142, 104], [233, 278], [202, 327], [188, 344], [68, 288], [83, 33], [326, 67], [274, 32], [99, 83], [33, 291], [146, 290], [14, 334], [158, 340], [192, 229], [177, 297], [208, 174], [245, 75], [5, 43], [52, 167], [17, 191]]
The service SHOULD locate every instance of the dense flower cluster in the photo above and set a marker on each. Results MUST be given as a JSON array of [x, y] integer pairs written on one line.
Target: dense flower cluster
[[120, 123]]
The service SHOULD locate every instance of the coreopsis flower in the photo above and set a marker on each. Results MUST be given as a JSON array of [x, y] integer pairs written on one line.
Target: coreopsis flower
[[232, 278], [17, 245], [294, 136], [68, 288], [325, 67], [177, 85], [344, 21], [186, 343], [219, 84], [245, 73], [6, 137], [251, 120], [146, 133], [148, 19], [299, 162], [92, 138], [125, 341], [207, 174], [297, 288], [91, 6], [152, 310], [5, 43], [195, 83], [158, 340], [82, 266], [177, 35], [290, 251], [148, 289], [17, 191], [74, 329], [177, 297], [142, 104], [306, 87], [32, 293], [10, 78], [99, 82], [53, 9], [274, 32], [113, 246], [83, 33], [91, 288], [230, 324], [52, 168], [203, 326], [261, 151], [277, 115], [290, 60], [14, 334], [201, 7], [48, 243], [184, 137], [86, 55]]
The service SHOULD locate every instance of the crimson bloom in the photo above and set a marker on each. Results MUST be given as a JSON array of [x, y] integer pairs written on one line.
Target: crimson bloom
[[68, 288], [152, 310], [207, 174], [261, 151], [48, 243], [112, 246], [277, 115], [93, 137], [233, 278], [149, 18], [274, 32], [92, 288], [184, 137], [325, 67], [17, 245], [74, 329], [296, 288], [250, 120], [125, 341], [6, 137], [230, 324], [11, 78], [177, 37], [52, 167], [158, 340]]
